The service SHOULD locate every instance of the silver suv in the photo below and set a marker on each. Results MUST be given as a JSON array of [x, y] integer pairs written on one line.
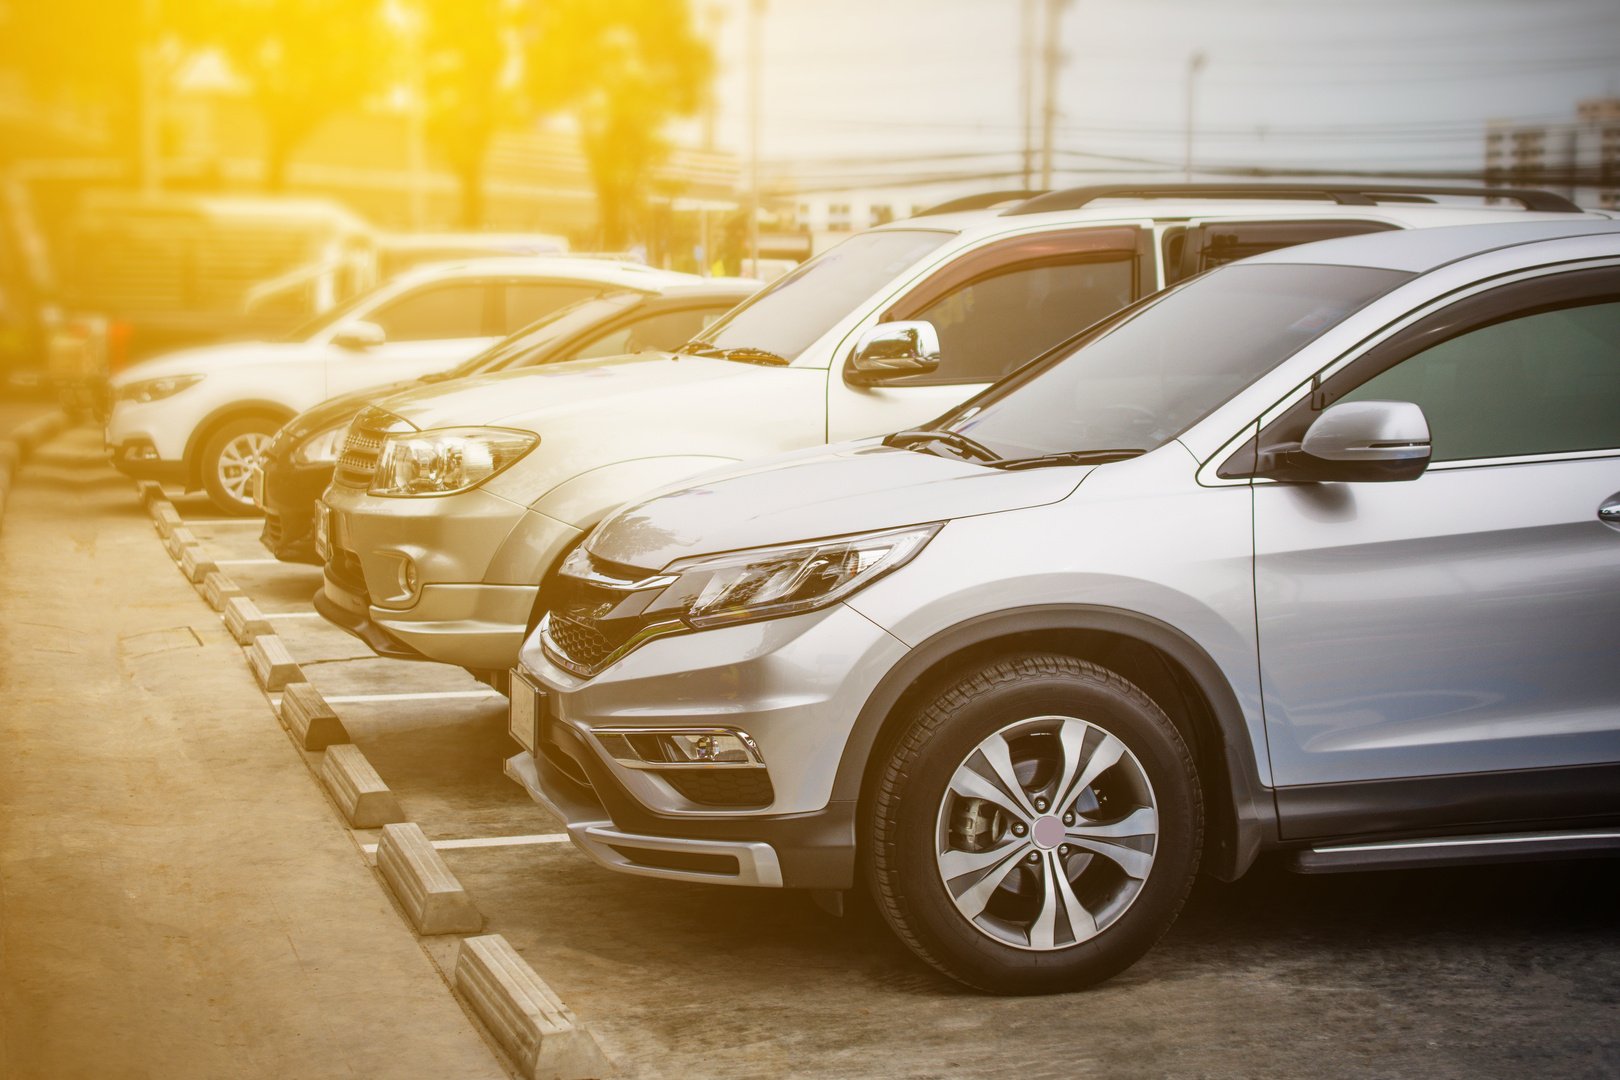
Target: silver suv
[[453, 506], [1319, 552]]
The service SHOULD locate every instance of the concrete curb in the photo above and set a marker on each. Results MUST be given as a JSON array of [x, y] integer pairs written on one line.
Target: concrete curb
[[244, 620], [310, 720], [178, 540], [166, 518], [272, 664], [218, 590], [543, 1036], [196, 564], [150, 491], [357, 789], [427, 890]]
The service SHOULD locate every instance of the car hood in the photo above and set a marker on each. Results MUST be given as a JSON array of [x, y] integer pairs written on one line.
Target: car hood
[[341, 409], [809, 494], [208, 359], [528, 397]]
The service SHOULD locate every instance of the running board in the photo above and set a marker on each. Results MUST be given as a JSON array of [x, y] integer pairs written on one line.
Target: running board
[[1456, 851]]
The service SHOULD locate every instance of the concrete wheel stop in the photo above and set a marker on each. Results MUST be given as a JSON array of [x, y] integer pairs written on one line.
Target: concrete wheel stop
[[196, 564], [219, 589], [166, 518], [427, 890], [178, 540], [357, 789], [272, 664], [313, 724], [543, 1036], [245, 621]]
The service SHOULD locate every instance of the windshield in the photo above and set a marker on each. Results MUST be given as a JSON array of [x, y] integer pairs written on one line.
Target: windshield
[[1165, 367], [797, 309], [525, 346]]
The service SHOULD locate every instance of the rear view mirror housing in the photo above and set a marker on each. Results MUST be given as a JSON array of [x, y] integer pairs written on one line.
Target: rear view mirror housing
[[891, 350], [359, 336], [1355, 442]]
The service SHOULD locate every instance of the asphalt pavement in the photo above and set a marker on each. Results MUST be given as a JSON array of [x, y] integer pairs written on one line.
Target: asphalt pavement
[[161, 831]]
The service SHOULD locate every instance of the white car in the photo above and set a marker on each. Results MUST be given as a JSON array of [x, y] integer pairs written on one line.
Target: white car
[[201, 417], [452, 505]]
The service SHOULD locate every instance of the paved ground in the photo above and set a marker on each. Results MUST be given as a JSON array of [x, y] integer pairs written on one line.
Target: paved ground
[[1485, 972], [177, 899]]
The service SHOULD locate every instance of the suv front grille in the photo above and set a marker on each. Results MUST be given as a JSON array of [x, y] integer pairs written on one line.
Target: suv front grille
[[357, 462], [581, 642], [594, 620]]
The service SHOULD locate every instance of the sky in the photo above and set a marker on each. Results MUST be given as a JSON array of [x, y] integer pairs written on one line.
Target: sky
[[858, 87]]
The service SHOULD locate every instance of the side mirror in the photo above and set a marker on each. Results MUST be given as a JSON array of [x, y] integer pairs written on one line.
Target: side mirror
[[359, 336], [893, 349], [1356, 442]]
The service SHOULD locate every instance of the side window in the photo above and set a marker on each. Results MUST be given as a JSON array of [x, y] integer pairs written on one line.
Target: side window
[[527, 301], [1541, 383], [663, 331], [1002, 321], [435, 312], [1192, 251]]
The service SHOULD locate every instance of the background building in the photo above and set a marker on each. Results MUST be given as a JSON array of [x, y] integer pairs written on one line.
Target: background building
[[1580, 158]]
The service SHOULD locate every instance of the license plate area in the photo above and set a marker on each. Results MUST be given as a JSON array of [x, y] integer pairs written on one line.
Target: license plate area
[[323, 531], [526, 705], [256, 487]]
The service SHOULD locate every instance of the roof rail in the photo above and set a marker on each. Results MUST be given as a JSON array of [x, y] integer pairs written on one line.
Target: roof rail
[[982, 201], [1343, 194]]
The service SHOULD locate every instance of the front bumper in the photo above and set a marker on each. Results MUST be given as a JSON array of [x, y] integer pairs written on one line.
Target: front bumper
[[137, 459], [712, 860], [794, 686], [290, 494], [478, 561]]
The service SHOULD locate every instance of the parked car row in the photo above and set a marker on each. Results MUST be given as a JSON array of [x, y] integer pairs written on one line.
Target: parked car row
[[1158, 528]]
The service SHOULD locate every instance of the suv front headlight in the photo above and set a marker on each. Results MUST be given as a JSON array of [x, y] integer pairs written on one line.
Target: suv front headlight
[[765, 583], [146, 390], [322, 447], [448, 460]]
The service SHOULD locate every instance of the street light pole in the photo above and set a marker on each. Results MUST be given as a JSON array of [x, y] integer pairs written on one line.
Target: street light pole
[[1053, 64], [1195, 64], [1026, 87], [756, 19]]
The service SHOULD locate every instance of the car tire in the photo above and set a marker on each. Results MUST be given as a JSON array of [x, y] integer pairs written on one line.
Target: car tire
[[946, 836], [227, 455]]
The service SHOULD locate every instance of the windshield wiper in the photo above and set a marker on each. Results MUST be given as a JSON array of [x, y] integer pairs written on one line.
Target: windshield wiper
[[1068, 457], [971, 447], [746, 354]]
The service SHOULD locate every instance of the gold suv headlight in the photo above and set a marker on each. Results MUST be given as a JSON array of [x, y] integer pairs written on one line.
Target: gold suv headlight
[[447, 460]]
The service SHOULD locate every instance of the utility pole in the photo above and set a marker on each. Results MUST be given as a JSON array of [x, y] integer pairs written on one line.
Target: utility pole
[[150, 73], [1195, 64], [756, 48], [1026, 86], [1052, 66]]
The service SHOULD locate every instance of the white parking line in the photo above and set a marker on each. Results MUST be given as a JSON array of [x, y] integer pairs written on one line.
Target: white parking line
[[246, 562], [352, 699], [489, 841], [223, 521], [289, 614]]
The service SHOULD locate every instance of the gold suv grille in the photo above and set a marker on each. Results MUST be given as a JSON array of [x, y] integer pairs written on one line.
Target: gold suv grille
[[357, 463]]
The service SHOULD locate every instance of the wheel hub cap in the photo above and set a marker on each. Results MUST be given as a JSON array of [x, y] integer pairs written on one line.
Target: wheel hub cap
[[1047, 832]]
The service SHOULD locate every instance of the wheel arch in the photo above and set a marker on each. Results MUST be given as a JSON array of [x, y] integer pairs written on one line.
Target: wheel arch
[[217, 419], [1169, 667]]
